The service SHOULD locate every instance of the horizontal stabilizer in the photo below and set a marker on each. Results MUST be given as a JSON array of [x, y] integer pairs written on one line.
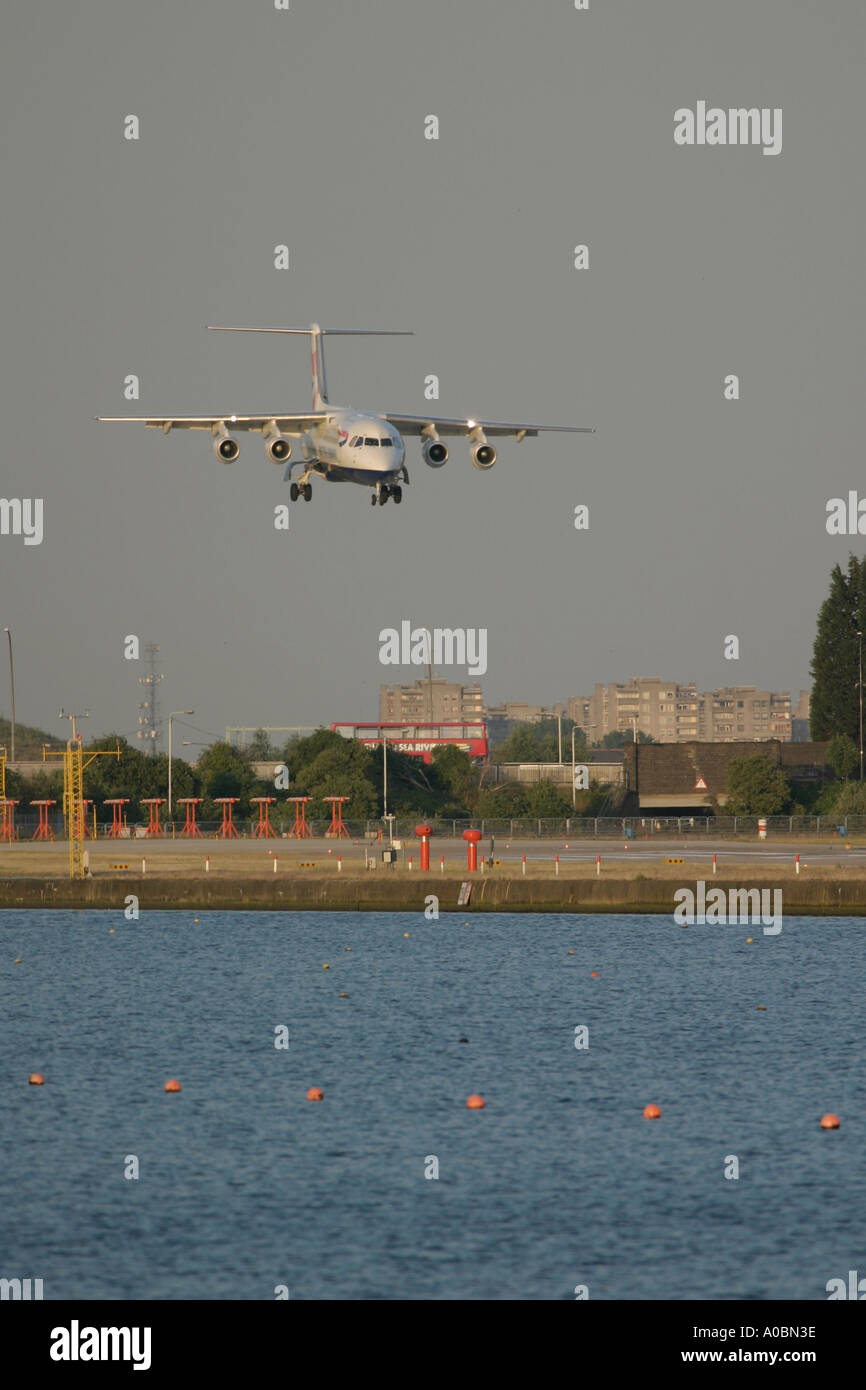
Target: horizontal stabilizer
[[353, 332]]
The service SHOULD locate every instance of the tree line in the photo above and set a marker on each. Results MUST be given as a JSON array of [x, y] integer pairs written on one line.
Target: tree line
[[452, 785], [322, 764]]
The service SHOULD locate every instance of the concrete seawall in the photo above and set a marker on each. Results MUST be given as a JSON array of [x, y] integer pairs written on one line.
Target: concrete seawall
[[381, 893]]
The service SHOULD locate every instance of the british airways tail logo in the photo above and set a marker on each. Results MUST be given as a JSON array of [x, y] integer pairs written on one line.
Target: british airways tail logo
[[344, 435]]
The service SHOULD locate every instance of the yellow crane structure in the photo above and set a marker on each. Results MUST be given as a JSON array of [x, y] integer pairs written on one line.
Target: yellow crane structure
[[74, 763]]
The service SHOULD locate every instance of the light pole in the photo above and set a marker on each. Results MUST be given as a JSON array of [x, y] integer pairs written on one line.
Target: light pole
[[559, 725], [384, 774], [12, 684], [860, 684], [81, 714], [573, 787], [174, 713]]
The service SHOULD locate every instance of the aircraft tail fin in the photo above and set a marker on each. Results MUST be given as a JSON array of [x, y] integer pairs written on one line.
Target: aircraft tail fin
[[317, 348]]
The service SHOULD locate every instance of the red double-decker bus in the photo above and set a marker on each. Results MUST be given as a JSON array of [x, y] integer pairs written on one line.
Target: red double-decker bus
[[419, 740]]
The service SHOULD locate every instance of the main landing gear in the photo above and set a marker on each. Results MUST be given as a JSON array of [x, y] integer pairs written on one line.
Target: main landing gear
[[304, 490], [384, 491]]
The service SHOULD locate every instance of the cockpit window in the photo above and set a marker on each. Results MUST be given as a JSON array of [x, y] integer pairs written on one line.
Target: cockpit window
[[356, 441], [371, 441], [389, 443]]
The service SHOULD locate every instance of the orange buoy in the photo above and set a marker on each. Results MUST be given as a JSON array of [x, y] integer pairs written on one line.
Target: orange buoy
[[35, 1078], [475, 1102], [827, 1121], [593, 974], [172, 1085], [652, 1112], [315, 1093], [326, 966]]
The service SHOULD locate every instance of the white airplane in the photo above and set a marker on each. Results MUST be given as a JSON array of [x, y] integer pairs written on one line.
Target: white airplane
[[341, 444]]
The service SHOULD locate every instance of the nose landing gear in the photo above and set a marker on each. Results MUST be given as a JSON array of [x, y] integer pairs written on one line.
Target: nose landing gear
[[384, 491]]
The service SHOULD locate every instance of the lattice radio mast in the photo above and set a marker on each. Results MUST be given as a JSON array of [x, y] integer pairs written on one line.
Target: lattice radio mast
[[149, 732]]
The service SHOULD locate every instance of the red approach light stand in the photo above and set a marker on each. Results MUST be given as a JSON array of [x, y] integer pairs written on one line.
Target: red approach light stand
[[190, 830], [264, 830], [336, 830], [227, 830], [43, 829], [300, 830], [118, 818], [7, 826], [154, 829]]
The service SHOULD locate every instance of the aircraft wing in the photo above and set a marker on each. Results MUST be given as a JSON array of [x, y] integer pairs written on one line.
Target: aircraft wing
[[426, 424], [287, 424]]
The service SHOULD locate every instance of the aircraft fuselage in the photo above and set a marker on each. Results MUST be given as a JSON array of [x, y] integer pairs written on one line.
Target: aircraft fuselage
[[354, 447]]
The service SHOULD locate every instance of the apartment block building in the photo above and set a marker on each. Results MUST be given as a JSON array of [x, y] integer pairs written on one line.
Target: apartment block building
[[434, 700], [670, 711], [675, 713]]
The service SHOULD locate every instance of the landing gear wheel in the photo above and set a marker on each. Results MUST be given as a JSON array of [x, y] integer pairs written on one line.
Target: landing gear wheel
[[293, 492], [397, 494], [383, 497], [308, 492], [372, 499]]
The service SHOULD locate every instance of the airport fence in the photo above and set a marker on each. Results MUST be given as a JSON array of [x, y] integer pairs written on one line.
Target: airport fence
[[525, 828]]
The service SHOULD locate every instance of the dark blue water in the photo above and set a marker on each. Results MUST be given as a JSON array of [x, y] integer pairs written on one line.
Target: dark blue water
[[245, 1185]]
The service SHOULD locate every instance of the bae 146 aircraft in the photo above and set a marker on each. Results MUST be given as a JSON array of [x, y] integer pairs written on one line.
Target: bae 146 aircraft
[[341, 444]]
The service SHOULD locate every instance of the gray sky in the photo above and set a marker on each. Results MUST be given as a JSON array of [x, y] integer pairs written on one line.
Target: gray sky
[[258, 127]]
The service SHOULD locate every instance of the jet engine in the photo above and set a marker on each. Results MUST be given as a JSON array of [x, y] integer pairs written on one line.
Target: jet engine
[[435, 453], [225, 447], [483, 455], [278, 448]]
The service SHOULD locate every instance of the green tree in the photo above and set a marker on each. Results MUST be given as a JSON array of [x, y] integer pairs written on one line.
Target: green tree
[[135, 775], [851, 801], [224, 771], [835, 703], [299, 752], [843, 755], [260, 749], [508, 801], [546, 799], [756, 787], [539, 743], [344, 768], [618, 739], [457, 778]]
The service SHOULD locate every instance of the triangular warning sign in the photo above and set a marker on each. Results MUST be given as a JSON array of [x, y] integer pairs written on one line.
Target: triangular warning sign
[[700, 785]]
